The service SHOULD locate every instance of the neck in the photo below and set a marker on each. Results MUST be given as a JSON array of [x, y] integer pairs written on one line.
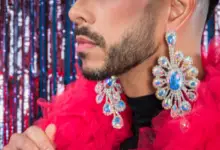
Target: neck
[[138, 81]]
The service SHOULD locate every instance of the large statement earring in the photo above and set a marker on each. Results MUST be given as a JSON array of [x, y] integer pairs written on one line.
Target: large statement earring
[[175, 80], [111, 91]]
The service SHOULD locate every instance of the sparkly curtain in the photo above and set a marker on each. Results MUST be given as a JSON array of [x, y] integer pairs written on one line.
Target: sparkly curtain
[[37, 57]]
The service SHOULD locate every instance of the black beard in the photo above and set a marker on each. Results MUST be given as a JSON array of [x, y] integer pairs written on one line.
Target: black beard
[[136, 46]]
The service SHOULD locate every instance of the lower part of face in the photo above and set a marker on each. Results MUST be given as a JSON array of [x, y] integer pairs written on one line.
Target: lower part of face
[[136, 45]]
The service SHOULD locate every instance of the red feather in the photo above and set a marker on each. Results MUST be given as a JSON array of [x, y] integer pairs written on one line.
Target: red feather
[[81, 125]]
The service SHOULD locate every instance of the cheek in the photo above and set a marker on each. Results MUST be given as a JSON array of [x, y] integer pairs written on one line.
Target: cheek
[[115, 17], [96, 55], [161, 28]]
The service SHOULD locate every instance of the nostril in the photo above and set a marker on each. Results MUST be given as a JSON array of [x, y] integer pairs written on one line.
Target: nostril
[[80, 21]]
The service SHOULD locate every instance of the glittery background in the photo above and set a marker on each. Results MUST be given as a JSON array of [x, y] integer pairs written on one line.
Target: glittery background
[[37, 57]]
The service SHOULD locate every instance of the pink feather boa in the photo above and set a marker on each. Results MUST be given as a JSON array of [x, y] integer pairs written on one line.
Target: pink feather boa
[[81, 125]]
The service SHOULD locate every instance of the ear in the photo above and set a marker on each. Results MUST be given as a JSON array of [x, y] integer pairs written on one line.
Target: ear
[[180, 12]]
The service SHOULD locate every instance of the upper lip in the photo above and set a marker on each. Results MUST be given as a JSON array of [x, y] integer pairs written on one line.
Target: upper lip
[[83, 39]]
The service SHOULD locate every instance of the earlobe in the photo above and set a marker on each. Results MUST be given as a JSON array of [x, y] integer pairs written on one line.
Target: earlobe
[[180, 11]]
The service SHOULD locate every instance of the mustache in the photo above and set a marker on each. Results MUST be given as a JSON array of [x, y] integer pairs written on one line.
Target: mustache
[[97, 38]]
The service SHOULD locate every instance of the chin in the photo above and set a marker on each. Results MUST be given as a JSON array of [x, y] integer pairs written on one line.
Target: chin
[[88, 64], [94, 72]]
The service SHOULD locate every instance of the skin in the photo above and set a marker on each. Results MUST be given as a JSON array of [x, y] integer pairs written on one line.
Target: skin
[[130, 38], [33, 138], [115, 23]]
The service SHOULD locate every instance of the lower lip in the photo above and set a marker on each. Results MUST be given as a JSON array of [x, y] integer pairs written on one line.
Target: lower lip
[[83, 47]]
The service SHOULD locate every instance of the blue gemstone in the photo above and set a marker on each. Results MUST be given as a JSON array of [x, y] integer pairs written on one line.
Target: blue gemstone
[[174, 108], [193, 84], [171, 39], [185, 106], [120, 106], [116, 122], [175, 80], [100, 98], [164, 61], [162, 93], [107, 108], [158, 83], [109, 82]]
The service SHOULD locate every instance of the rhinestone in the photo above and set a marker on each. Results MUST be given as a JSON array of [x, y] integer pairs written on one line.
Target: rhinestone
[[110, 91], [171, 38], [118, 87], [99, 98], [161, 93], [99, 87], [175, 111], [163, 61], [117, 122], [167, 103], [108, 94], [108, 82], [192, 72], [193, 83], [187, 62], [107, 109], [179, 56], [114, 78], [184, 125], [158, 71], [120, 106], [175, 80], [116, 96], [185, 107], [192, 96], [158, 83]]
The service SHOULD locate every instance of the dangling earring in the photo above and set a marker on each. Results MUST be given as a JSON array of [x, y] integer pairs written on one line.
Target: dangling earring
[[175, 80], [111, 91]]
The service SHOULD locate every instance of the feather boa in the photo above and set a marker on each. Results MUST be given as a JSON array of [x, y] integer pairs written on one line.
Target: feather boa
[[80, 122], [81, 125]]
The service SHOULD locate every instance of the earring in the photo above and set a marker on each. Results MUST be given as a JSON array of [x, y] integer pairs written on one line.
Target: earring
[[111, 91], [175, 80]]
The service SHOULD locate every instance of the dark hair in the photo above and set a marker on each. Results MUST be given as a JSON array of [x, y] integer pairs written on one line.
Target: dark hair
[[212, 6]]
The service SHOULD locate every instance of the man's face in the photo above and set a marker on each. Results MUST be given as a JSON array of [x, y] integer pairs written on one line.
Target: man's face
[[113, 36]]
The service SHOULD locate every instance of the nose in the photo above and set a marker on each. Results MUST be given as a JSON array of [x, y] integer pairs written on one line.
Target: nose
[[80, 15]]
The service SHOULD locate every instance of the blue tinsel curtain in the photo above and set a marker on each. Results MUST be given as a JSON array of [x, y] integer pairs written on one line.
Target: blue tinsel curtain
[[37, 57]]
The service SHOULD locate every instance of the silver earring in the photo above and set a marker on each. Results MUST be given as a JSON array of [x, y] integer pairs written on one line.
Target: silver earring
[[175, 80], [111, 91]]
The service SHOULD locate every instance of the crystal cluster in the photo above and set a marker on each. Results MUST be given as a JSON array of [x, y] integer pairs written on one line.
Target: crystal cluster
[[175, 80], [109, 90]]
